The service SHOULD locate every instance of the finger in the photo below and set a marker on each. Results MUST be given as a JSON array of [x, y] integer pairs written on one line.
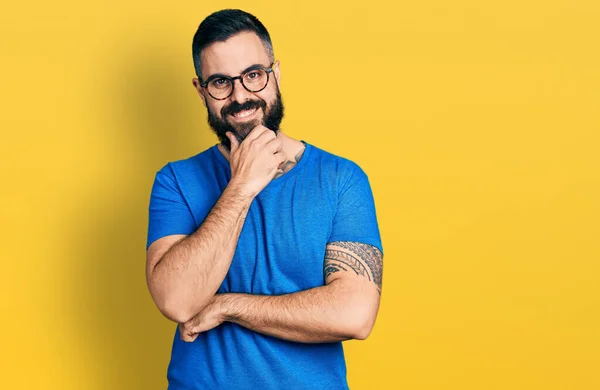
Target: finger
[[183, 335], [279, 158], [264, 139], [256, 132], [188, 337], [183, 332], [275, 145], [233, 140]]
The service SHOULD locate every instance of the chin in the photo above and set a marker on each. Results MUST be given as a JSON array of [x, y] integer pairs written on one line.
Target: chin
[[243, 129]]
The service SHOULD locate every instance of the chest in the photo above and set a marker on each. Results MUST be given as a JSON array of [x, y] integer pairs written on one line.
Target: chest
[[282, 244], [281, 247]]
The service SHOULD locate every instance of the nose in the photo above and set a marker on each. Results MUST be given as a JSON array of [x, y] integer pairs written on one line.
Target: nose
[[240, 94]]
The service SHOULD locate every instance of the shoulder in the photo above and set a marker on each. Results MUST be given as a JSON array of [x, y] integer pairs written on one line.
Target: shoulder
[[182, 167], [345, 170]]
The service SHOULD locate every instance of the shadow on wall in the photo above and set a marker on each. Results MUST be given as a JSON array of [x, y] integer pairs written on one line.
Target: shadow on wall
[[117, 326]]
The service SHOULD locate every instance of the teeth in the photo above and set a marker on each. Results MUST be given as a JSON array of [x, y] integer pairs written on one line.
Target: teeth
[[243, 114]]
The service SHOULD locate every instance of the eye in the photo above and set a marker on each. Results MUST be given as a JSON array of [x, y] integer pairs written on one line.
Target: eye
[[219, 82], [253, 74]]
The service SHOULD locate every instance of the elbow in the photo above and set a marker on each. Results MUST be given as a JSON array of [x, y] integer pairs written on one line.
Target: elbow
[[172, 307], [175, 313], [361, 319], [362, 329], [181, 312], [359, 313], [358, 324]]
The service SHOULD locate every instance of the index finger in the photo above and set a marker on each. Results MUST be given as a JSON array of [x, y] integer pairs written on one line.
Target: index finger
[[256, 132]]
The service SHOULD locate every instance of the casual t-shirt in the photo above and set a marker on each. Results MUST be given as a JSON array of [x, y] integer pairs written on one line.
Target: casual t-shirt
[[281, 249]]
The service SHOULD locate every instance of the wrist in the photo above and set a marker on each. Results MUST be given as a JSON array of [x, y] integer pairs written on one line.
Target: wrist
[[226, 306], [240, 189]]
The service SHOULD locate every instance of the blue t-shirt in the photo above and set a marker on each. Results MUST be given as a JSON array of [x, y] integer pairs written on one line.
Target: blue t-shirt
[[281, 250]]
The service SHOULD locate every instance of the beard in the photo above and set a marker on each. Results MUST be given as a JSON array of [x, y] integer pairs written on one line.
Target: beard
[[271, 119]]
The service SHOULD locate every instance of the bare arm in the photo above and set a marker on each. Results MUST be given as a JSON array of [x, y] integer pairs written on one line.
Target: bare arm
[[183, 274], [344, 308], [193, 268]]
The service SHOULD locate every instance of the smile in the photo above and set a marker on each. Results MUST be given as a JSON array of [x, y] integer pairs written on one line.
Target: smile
[[244, 114]]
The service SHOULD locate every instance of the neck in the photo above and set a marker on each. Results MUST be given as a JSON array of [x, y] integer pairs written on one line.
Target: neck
[[292, 148]]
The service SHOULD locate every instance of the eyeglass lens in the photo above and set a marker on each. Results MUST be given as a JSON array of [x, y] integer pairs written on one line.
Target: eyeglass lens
[[254, 81]]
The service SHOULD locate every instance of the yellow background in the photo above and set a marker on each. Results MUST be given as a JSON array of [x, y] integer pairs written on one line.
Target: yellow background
[[477, 123]]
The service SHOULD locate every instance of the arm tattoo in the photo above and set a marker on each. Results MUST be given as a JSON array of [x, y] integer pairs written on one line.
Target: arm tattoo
[[331, 268], [365, 260]]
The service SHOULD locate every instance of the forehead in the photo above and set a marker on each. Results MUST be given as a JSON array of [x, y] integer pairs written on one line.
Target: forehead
[[233, 55]]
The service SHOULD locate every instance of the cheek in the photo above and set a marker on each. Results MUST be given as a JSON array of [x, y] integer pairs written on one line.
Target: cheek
[[269, 96], [215, 109]]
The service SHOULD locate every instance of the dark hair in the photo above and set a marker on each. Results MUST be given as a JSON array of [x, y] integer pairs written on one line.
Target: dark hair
[[221, 25]]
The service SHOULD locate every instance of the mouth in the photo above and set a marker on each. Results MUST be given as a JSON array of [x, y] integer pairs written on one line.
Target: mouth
[[244, 114]]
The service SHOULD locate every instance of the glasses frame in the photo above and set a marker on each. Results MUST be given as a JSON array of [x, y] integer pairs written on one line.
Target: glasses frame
[[269, 69]]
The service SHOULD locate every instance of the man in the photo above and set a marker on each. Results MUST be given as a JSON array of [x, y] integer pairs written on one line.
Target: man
[[264, 249]]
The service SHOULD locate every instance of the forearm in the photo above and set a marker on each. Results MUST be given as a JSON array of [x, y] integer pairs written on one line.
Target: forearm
[[190, 272], [338, 311]]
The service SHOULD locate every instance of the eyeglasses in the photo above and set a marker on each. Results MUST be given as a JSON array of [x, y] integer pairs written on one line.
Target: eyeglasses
[[255, 79]]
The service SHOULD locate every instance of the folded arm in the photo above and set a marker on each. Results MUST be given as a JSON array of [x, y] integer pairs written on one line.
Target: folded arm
[[184, 272], [344, 308]]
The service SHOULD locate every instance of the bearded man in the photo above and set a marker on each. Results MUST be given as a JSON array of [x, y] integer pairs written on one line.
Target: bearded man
[[264, 249]]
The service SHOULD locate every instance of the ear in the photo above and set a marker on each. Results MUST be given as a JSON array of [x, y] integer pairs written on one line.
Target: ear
[[199, 89], [276, 71]]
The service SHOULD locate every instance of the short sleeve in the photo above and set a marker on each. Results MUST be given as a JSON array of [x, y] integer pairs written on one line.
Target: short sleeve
[[355, 218], [168, 211]]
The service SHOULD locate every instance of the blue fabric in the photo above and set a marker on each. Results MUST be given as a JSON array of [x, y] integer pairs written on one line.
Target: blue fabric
[[281, 248]]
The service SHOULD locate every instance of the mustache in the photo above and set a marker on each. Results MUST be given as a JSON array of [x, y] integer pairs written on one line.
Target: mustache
[[235, 107]]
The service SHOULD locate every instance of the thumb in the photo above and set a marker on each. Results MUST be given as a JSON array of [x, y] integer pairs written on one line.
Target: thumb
[[234, 142]]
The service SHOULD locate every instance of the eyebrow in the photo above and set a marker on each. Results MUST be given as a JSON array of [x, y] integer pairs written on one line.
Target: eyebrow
[[251, 67]]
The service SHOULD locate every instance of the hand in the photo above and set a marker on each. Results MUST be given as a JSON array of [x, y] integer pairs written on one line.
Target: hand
[[255, 161], [210, 317]]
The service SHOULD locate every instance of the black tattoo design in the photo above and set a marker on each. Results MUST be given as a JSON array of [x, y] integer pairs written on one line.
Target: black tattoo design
[[346, 258], [287, 165], [365, 260], [299, 155], [331, 268]]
